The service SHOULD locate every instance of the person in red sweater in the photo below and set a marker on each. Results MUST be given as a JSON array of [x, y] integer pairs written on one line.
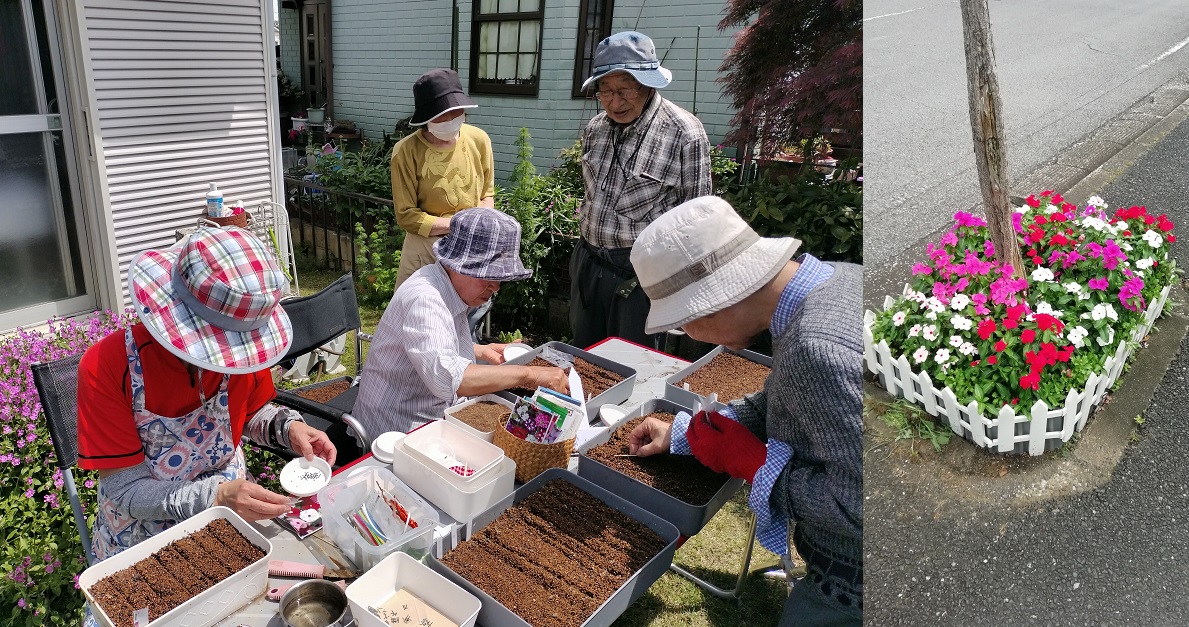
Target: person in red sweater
[[163, 404]]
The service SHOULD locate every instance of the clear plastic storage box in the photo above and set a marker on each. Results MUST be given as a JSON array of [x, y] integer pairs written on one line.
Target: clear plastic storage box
[[361, 487]]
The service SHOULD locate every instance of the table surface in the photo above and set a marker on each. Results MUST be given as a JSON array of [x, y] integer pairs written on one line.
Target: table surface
[[652, 368]]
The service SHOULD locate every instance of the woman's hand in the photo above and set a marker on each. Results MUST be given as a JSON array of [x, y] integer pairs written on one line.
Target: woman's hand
[[650, 438], [310, 442], [251, 501], [441, 226]]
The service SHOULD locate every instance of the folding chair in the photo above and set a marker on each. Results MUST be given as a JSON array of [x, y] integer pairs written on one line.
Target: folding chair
[[57, 387], [316, 320]]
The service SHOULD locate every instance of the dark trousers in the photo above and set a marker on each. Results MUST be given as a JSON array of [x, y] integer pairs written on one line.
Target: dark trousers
[[599, 280]]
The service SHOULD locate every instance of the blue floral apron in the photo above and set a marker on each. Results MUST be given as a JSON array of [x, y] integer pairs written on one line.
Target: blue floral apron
[[194, 446]]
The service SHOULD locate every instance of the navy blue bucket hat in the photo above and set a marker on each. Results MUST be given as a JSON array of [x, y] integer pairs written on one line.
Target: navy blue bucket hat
[[629, 52], [483, 244]]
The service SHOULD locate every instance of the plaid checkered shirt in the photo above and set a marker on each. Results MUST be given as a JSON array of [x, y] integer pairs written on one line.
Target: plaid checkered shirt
[[634, 173]]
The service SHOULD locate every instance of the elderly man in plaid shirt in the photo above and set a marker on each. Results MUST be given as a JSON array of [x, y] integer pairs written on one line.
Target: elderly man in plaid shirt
[[422, 359], [641, 157]]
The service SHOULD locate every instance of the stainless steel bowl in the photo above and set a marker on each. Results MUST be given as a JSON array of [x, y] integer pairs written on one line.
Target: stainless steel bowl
[[315, 603]]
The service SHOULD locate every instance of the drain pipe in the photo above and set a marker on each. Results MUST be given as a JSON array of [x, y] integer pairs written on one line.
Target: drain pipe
[[454, 35], [697, 50]]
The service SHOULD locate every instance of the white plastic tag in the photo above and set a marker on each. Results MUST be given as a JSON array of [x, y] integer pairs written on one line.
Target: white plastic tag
[[140, 618]]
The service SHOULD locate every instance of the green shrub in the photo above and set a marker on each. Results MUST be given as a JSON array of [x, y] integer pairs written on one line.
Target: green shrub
[[377, 260], [826, 214], [522, 303]]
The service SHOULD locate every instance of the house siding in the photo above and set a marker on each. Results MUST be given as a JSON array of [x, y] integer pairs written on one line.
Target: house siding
[[290, 22], [373, 80]]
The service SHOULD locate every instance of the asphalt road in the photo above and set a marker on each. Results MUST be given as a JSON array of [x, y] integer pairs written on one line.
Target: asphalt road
[[1118, 555], [1065, 68]]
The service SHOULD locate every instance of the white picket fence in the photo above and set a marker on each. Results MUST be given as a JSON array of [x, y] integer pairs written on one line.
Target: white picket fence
[[1008, 432]]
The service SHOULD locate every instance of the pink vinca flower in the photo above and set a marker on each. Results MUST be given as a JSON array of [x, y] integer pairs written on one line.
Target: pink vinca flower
[[1112, 255], [1098, 284]]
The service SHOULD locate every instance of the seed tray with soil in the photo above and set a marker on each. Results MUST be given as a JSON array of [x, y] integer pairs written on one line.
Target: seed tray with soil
[[603, 381], [175, 573], [324, 393], [677, 488], [560, 552], [728, 373], [483, 416]]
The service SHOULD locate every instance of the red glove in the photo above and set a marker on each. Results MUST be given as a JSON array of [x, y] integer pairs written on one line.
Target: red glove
[[723, 445]]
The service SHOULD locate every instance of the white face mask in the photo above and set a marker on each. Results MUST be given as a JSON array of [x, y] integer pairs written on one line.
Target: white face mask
[[447, 131]]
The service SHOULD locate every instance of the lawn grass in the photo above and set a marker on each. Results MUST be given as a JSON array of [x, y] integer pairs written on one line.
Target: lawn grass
[[713, 554]]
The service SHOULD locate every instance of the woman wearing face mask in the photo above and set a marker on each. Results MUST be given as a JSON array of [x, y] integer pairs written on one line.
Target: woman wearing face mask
[[442, 168]]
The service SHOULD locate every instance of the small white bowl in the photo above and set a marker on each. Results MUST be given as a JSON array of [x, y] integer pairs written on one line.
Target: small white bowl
[[384, 444], [512, 351], [304, 478], [611, 415]]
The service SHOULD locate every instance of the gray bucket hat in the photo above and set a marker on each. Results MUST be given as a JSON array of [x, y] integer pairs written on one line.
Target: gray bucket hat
[[629, 52], [483, 244]]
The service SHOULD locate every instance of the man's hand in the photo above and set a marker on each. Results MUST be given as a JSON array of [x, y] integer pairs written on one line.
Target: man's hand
[[724, 445], [490, 353], [310, 442], [441, 226], [548, 377], [252, 502], [650, 437]]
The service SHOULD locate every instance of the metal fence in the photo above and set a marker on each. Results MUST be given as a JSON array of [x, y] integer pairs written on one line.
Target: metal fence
[[323, 221]]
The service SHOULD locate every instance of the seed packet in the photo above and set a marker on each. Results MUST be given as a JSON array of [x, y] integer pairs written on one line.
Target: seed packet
[[530, 421], [304, 517]]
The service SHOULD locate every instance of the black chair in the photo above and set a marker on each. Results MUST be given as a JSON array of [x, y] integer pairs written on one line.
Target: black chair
[[317, 320], [57, 387]]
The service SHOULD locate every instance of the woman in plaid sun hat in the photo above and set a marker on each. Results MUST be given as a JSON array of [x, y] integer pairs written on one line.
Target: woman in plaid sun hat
[[162, 405]]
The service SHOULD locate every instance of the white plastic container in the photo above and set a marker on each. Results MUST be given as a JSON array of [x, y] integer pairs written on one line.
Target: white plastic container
[[486, 436], [210, 606], [359, 487], [442, 443], [399, 571], [461, 500], [214, 202]]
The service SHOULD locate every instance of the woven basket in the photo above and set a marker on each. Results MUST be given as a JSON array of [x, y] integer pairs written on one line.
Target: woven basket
[[239, 219], [532, 458]]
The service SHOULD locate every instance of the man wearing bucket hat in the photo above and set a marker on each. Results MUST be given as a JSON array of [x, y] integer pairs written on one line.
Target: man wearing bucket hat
[[798, 441], [423, 358], [162, 405], [640, 156], [439, 169]]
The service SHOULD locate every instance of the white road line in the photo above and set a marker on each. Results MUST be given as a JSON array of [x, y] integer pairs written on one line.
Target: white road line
[[1184, 42], [868, 19]]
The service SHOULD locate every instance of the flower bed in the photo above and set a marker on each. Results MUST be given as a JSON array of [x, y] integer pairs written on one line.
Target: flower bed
[[967, 340]]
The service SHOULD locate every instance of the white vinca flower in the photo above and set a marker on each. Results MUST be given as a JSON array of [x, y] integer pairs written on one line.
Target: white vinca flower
[[1096, 202], [1110, 313], [1073, 287], [931, 315], [929, 332], [1091, 222], [955, 341], [1125, 246], [1077, 335], [942, 355], [1145, 263], [1107, 338], [961, 323], [920, 355], [967, 349], [1042, 275], [959, 302], [1153, 238], [1099, 312], [898, 318], [914, 330]]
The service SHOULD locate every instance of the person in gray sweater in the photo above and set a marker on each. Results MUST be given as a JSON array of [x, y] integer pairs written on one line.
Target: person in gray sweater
[[799, 440]]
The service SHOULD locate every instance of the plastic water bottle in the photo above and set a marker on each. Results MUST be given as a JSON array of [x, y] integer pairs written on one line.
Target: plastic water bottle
[[214, 202]]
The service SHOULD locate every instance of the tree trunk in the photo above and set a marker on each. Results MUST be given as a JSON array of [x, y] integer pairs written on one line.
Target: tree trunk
[[990, 154]]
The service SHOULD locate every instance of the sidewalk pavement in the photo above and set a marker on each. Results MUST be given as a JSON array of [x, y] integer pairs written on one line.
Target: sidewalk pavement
[[970, 538]]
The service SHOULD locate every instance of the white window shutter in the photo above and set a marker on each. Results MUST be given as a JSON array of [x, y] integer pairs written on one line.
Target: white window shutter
[[184, 95]]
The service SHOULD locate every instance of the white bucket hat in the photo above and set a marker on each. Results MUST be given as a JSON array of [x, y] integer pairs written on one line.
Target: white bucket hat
[[699, 258]]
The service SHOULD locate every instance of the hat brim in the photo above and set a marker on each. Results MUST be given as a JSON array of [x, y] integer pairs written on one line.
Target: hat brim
[[737, 279], [447, 102], [189, 337], [484, 271], [656, 79]]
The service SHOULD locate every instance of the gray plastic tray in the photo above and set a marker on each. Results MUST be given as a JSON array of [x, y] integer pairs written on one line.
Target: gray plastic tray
[[682, 396], [614, 395], [494, 614], [689, 519]]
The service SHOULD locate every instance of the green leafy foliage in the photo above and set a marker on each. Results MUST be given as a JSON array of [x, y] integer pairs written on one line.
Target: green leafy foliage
[[825, 213], [524, 302], [377, 260]]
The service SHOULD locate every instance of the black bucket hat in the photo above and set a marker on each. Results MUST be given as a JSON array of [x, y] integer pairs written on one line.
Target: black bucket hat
[[436, 92]]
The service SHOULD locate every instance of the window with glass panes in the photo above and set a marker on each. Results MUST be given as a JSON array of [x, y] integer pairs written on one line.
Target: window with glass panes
[[594, 26], [506, 46]]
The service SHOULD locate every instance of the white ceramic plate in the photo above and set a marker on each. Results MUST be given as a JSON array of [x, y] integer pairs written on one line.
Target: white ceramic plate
[[304, 478], [383, 445]]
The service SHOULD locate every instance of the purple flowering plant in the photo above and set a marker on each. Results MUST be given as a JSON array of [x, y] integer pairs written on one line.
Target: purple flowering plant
[[1088, 277]]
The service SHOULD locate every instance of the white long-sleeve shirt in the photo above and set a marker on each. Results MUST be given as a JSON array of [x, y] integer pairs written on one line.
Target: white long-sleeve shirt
[[421, 348]]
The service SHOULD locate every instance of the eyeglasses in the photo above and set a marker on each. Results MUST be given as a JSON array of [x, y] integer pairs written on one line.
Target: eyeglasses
[[626, 93]]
